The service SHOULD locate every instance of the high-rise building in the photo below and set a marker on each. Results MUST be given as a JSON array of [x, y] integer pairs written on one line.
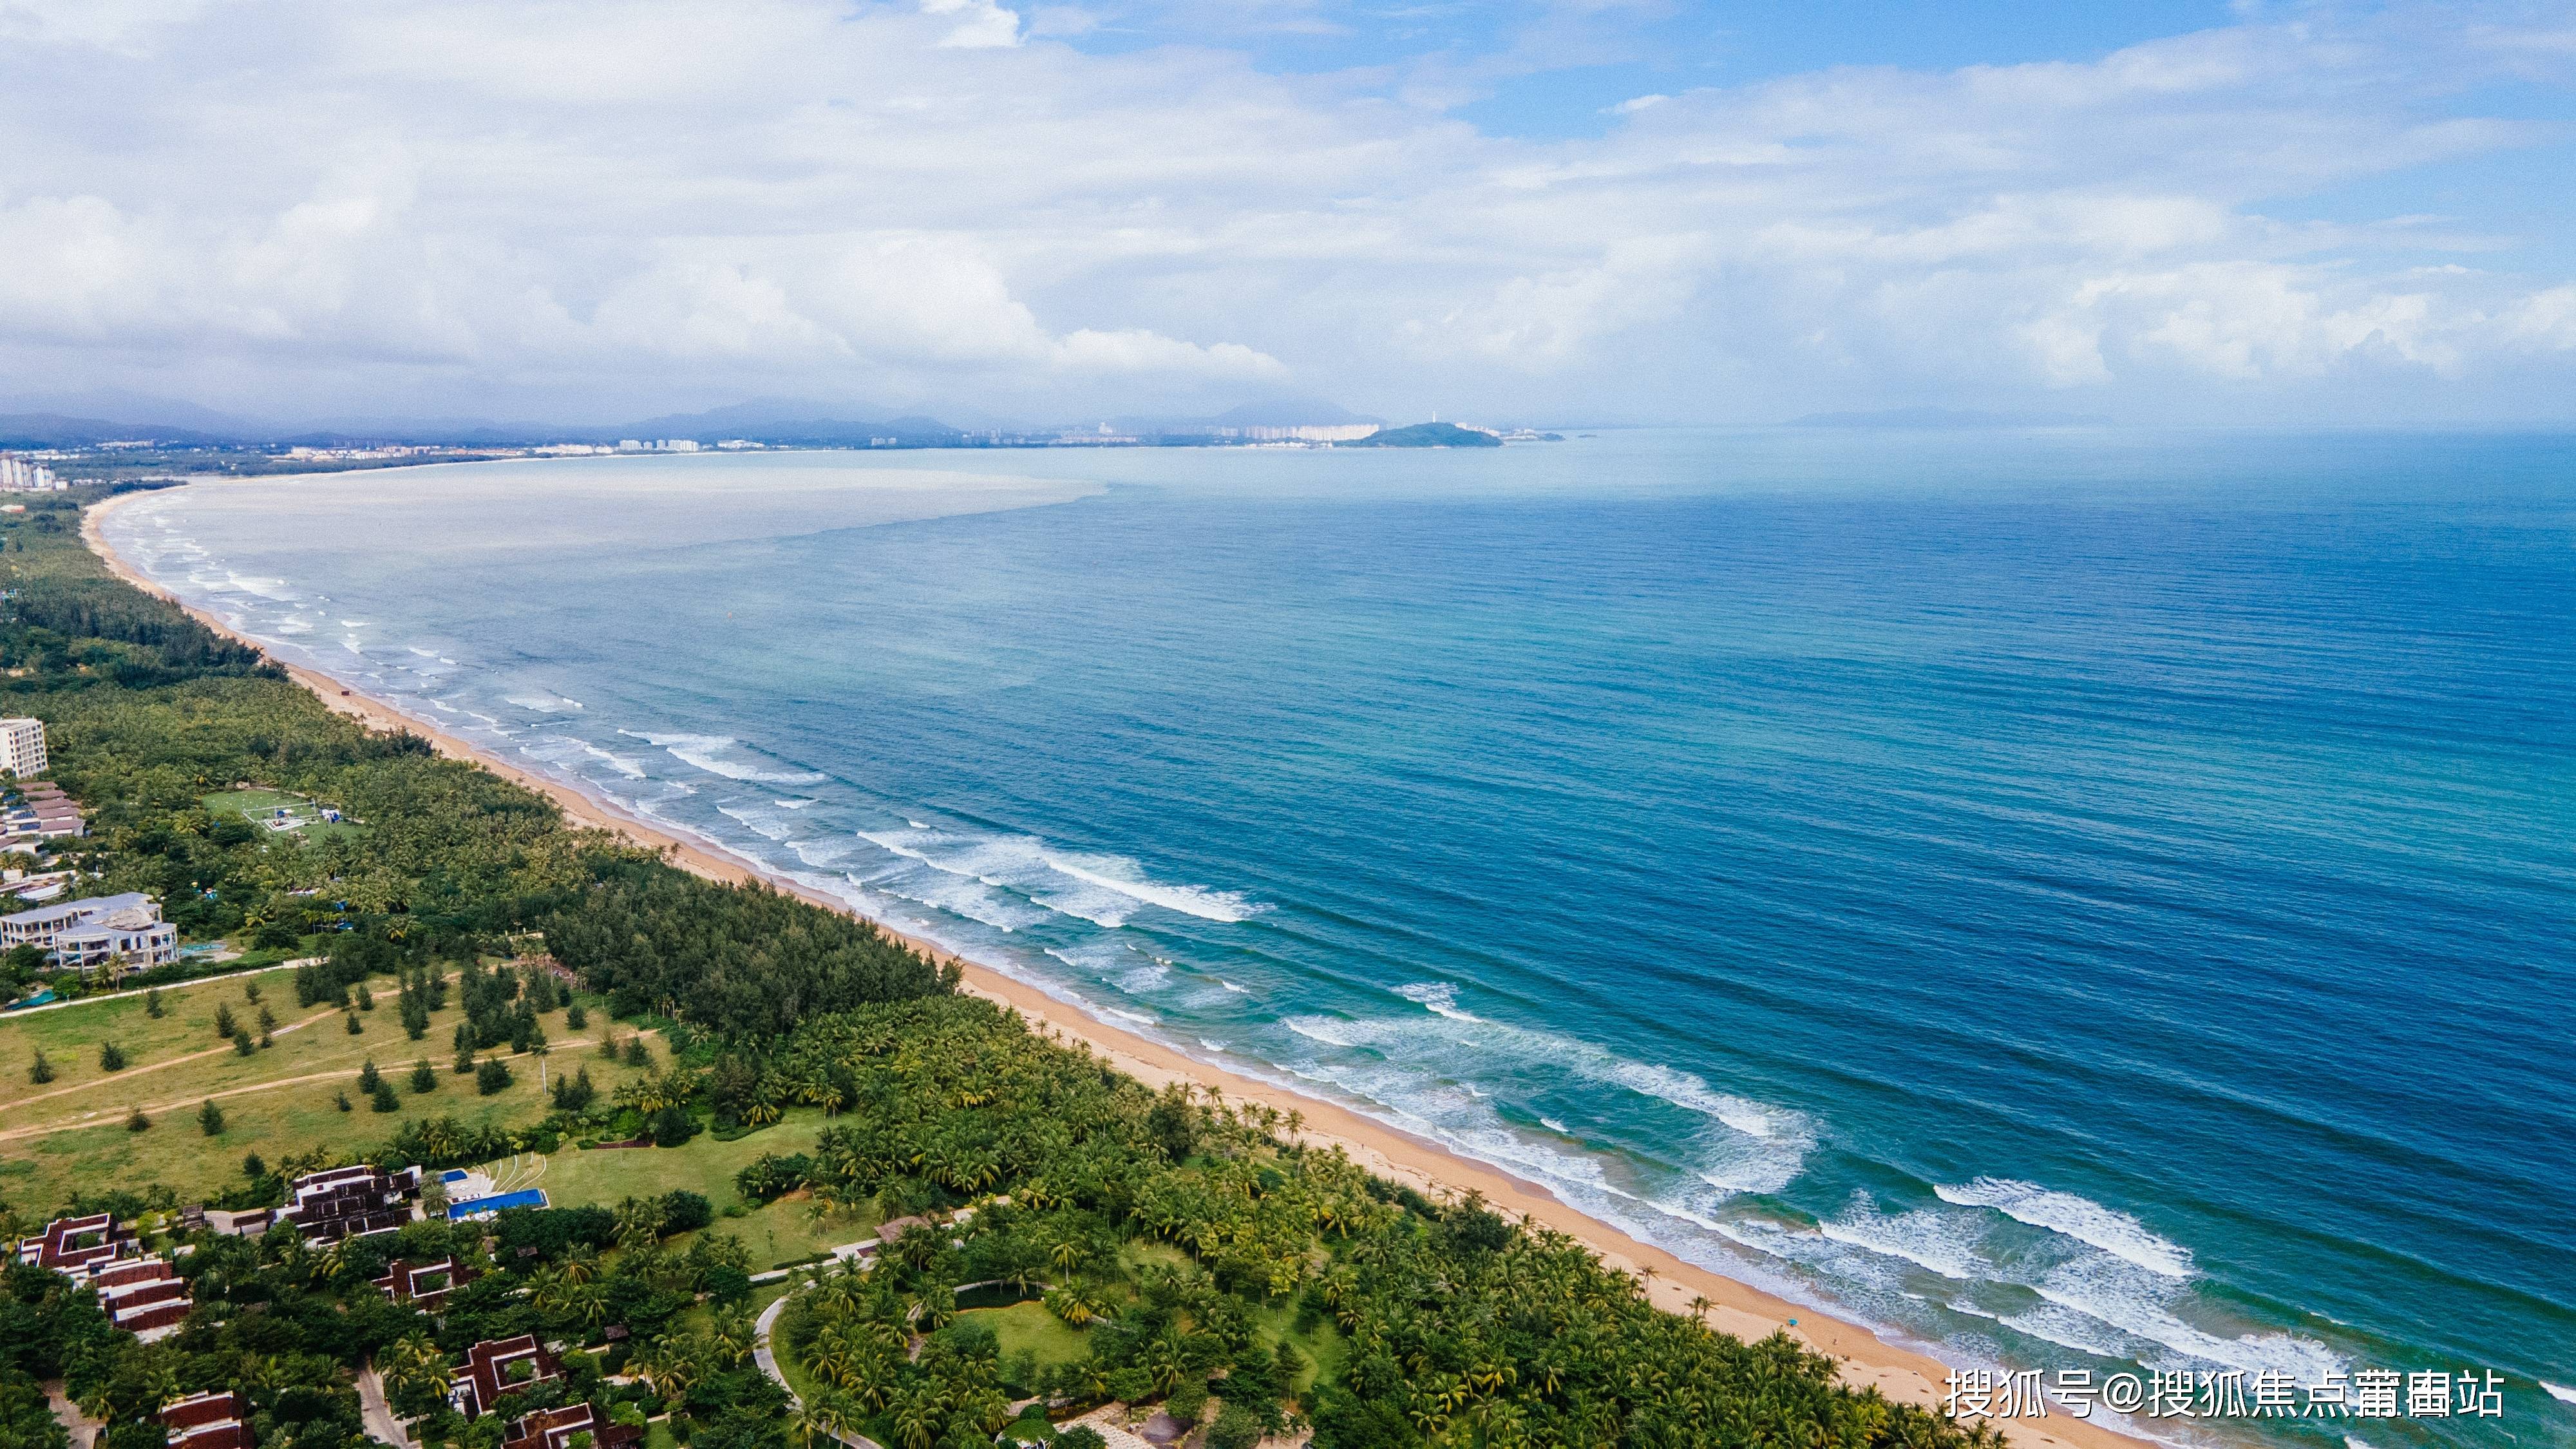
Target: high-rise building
[[22, 747]]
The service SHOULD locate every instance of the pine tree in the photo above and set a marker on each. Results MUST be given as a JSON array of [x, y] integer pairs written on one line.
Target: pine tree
[[382, 1099], [224, 1023], [340, 1100], [368, 1078], [636, 1054], [366, 998], [254, 1166], [422, 1078], [135, 1121], [575, 1018], [152, 1006], [250, 991], [111, 1057], [465, 1060], [210, 1118], [41, 1071], [242, 1045]]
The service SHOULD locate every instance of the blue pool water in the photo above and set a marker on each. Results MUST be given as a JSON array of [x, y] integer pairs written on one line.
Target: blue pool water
[[2076, 900]]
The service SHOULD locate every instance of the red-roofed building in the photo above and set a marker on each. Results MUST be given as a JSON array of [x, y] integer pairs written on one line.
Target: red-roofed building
[[424, 1285], [212, 1420], [75, 1246], [556, 1429], [501, 1366], [143, 1297]]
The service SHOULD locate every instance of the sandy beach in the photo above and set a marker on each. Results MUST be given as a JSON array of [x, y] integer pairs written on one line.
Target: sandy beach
[[1901, 1373]]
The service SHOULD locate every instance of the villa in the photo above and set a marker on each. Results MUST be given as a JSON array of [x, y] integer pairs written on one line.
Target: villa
[[90, 932], [501, 1366]]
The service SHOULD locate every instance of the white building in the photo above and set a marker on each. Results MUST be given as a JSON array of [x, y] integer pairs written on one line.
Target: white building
[[22, 747], [87, 933], [17, 475]]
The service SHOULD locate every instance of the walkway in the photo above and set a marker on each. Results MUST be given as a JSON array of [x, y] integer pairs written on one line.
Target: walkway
[[768, 1361], [379, 1415]]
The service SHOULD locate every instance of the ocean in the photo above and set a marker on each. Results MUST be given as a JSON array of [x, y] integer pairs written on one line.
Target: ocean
[[2074, 899]]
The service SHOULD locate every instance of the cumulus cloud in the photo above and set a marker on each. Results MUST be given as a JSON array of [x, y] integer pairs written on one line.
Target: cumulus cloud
[[582, 205]]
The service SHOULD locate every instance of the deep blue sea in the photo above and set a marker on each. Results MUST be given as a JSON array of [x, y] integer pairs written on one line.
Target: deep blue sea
[[2076, 899]]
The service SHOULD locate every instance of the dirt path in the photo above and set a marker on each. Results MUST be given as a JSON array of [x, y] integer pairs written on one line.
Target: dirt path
[[100, 1119], [130, 1073]]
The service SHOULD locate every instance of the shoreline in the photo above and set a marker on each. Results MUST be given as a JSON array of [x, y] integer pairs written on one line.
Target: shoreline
[[1903, 1374]]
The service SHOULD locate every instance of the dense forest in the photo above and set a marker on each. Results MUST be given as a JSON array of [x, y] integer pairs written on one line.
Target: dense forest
[[1172, 1249]]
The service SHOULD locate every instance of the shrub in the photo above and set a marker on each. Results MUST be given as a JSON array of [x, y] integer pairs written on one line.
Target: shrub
[[111, 1057], [40, 1071], [340, 1100], [1237, 1427], [152, 1006], [672, 1126], [684, 1211], [492, 1076], [1080, 1436], [135, 1121]]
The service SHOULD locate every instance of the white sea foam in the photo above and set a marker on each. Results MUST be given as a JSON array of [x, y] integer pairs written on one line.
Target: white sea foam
[[2112, 1291], [1554, 1125], [1230, 986], [2080, 1218], [1924, 1238], [707, 752], [2562, 1395], [916, 824], [1437, 996], [795, 804], [1116, 873], [765, 826]]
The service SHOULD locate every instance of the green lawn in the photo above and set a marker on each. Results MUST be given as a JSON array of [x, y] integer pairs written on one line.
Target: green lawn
[[257, 805], [70, 1134], [1030, 1326], [781, 1232]]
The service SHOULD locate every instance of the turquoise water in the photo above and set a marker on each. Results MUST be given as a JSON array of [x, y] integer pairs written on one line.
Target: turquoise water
[[2076, 901]]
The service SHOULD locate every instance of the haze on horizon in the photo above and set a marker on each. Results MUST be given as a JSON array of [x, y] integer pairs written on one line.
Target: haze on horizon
[[584, 211]]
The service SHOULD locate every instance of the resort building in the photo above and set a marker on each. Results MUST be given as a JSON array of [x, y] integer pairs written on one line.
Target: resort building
[[143, 1297], [88, 933], [424, 1286], [555, 1428], [74, 1246], [211, 1420], [22, 747], [350, 1202], [498, 1366]]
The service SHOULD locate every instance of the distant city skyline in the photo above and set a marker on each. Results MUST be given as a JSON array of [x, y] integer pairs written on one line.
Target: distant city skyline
[[1593, 210]]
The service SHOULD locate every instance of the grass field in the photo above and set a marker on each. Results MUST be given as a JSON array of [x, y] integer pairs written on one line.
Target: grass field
[[70, 1134], [257, 805], [781, 1232], [1030, 1326]]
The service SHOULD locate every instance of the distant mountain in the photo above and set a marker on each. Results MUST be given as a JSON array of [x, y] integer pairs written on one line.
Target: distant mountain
[[146, 413], [1947, 418], [1425, 435], [1290, 412], [54, 430]]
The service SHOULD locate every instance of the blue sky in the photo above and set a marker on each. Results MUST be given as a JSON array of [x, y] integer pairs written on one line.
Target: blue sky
[[1593, 210]]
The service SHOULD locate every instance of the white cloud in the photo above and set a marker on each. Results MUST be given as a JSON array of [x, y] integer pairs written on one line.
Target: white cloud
[[578, 203]]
